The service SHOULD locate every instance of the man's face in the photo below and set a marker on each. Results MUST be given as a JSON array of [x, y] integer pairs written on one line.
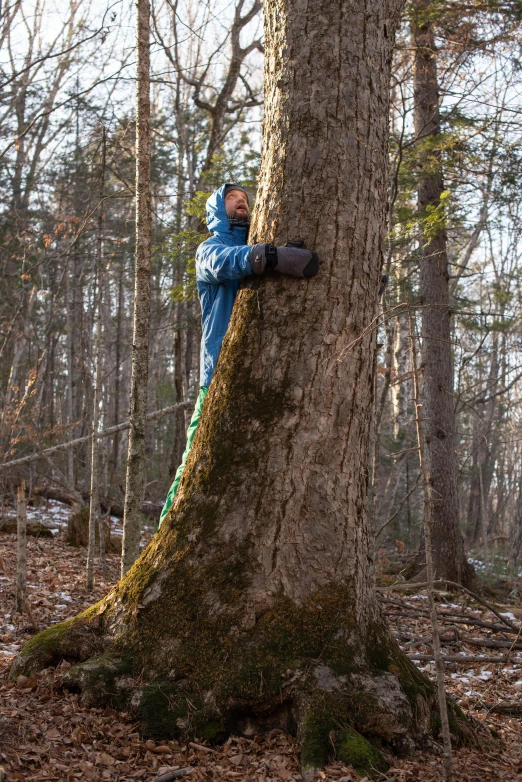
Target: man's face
[[236, 204]]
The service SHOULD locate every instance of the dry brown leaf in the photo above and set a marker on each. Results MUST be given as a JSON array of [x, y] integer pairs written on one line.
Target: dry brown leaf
[[106, 759], [78, 736], [53, 733]]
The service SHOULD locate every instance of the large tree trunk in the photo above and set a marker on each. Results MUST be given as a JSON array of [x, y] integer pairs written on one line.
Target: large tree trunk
[[437, 359], [254, 606]]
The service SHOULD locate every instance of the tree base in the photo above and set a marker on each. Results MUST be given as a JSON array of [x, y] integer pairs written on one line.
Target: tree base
[[304, 669]]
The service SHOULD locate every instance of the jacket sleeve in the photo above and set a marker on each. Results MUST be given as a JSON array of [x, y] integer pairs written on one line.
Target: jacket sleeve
[[217, 262]]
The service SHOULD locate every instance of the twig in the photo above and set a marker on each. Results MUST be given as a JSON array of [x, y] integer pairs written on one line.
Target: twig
[[176, 774]]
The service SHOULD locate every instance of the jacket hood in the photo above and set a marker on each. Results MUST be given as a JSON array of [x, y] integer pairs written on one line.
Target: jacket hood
[[216, 215]]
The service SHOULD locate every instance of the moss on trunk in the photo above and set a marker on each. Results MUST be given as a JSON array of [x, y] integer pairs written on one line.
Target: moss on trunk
[[184, 670]]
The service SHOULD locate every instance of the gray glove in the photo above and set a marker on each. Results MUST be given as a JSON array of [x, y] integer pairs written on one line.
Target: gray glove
[[291, 260]]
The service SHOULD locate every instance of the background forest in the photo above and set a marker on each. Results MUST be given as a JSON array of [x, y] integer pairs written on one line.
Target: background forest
[[67, 245]]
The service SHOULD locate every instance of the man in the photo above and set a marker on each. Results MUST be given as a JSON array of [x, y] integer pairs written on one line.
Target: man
[[221, 261]]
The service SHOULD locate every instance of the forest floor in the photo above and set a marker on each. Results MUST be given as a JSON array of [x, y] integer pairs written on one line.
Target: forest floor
[[45, 734]]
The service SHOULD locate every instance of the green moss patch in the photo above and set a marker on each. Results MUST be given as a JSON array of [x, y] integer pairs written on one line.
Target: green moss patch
[[73, 640], [325, 733], [384, 655], [354, 750]]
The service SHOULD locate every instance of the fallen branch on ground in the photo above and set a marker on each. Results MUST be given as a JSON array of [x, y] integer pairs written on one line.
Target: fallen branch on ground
[[442, 582], [178, 773], [149, 509], [454, 618], [461, 658], [515, 709], [486, 642], [79, 440]]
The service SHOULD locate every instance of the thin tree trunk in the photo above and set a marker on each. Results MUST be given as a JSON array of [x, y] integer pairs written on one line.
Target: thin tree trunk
[[515, 536], [94, 506], [107, 375], [484, 447], [400, 387], [178, 436], [21, 537], [375, 440], [70, 372], [437, 359], [427, 485], [117, 376], [135, 480]]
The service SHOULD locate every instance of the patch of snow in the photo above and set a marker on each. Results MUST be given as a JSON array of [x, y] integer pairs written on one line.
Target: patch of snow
[[508, 615], [53, 515]]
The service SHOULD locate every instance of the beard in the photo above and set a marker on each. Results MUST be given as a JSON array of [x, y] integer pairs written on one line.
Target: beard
[[239, 217]]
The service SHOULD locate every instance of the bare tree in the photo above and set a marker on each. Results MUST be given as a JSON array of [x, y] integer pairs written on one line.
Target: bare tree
[[221, 102], [135, 480], [94, 506]]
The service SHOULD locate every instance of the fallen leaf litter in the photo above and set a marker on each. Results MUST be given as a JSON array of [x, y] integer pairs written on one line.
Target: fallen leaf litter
[[46, 734]]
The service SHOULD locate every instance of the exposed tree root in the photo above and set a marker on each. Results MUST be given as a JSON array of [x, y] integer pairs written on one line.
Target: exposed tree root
[[305, 670]]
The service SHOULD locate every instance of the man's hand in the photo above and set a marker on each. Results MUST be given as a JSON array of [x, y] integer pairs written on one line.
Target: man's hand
[[290, 259]]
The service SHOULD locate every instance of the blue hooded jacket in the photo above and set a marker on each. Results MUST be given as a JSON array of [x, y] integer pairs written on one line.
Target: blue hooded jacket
[[221, 261]]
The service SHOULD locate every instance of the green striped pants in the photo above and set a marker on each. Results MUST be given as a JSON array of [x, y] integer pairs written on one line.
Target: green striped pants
[[191, 431]]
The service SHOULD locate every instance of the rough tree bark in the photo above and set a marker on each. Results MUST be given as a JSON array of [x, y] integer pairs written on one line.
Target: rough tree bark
[[254, 607], [135, 479], [437, 359]]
